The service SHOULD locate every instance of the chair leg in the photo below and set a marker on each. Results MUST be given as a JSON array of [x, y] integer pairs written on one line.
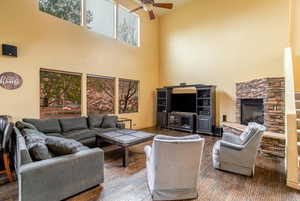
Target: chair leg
[[7, 167]]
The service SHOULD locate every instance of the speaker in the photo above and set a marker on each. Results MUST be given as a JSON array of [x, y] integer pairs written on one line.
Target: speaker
[[9, 50]]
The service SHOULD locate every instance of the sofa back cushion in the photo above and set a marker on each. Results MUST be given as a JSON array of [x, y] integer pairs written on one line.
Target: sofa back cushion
[[95, 121], [110, 122], [70, 124], [45, 126]]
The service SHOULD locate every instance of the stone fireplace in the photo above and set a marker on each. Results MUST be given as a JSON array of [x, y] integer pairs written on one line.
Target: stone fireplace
[[263, 101]]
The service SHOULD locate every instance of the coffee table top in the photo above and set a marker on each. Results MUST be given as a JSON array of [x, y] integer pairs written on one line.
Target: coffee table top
[[126, 137]]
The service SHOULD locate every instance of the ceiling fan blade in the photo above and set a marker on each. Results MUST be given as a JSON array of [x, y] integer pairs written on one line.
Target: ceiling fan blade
[[163, 5], [151, 15], [136, 9]]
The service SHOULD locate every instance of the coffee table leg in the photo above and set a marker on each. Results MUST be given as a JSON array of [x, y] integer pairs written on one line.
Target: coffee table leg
[[126, 157]]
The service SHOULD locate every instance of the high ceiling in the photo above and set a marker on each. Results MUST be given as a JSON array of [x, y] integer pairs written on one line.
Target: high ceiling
[[177, 3]]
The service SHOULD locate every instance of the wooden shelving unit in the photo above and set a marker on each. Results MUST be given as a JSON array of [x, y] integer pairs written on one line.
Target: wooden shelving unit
[[206, 109]]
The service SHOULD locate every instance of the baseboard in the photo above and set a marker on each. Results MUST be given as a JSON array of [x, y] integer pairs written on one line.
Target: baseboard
[[293, 185]]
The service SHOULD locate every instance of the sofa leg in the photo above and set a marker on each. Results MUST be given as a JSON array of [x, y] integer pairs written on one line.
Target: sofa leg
[[7, 167]]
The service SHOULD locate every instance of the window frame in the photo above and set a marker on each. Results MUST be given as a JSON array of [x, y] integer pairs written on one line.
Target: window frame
[[115, 16], [115, 90], [138, 95], [138, 26], [84, 23], [66, 73]]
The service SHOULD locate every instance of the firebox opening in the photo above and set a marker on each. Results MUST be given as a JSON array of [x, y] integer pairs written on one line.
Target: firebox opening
[[252, 110]]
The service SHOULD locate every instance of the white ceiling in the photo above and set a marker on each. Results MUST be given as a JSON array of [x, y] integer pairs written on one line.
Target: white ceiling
[[161, 11]]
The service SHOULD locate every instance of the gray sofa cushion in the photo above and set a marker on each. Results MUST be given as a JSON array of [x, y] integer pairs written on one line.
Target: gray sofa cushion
[[70, 124], [80, 134], [104, 130], [45, 126], [39, 151], [95, 121], [32, 134], [110, 122], [90, 142], [61, 146], [35, 142], [22, 125], [54, 134]]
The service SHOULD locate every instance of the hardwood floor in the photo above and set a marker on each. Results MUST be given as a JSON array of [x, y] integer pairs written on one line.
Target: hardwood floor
[[129, 184]]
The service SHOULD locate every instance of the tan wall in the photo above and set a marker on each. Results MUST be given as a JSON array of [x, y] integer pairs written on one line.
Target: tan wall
[[223, 42], [296, 41], [48, 42]]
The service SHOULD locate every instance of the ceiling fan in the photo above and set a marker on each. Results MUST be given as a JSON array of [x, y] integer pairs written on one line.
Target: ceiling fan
[[148, 6]]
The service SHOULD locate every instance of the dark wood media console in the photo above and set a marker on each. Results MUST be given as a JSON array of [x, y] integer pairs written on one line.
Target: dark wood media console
[[183, 121], [201, 120]]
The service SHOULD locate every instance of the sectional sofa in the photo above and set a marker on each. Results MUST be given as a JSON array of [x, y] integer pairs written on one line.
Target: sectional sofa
[[60, 177]]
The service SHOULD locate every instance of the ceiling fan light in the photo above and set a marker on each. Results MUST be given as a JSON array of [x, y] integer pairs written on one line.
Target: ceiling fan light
[[148, 7]]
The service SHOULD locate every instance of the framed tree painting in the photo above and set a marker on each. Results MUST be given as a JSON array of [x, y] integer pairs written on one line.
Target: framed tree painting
[[60, 94], [128, 96], [100, 95]]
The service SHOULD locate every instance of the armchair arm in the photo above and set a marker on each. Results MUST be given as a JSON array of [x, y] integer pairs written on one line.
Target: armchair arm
[[232, 146], [147, 150]]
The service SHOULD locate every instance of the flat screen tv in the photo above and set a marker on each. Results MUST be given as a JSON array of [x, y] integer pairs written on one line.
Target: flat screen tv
[[183, 102]]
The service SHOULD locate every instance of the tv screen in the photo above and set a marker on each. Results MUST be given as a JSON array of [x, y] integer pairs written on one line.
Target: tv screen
[[183, 103]]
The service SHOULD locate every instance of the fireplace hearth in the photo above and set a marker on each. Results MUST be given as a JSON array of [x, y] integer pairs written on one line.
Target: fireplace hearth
[[252, 110]]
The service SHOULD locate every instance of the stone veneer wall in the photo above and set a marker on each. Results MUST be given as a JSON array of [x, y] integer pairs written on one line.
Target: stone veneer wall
[[271, 90]]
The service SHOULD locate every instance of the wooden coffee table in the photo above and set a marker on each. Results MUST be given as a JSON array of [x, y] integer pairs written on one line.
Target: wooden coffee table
[[125, 138]]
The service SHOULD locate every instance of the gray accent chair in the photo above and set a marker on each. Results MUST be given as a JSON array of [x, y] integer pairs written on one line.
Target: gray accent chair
[[173, 167], [57, 178], [237, 154]]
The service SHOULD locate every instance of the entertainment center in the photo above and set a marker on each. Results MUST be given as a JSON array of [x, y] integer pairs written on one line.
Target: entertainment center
[[193, 112]]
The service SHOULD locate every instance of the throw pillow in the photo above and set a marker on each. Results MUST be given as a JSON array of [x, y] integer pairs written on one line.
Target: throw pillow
[[61, 146], [110, 122], [35, 143], [39, 151], [95, 121], [22, 125]]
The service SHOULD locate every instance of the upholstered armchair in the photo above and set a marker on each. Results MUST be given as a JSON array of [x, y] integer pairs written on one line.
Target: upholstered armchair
[[237, 154], [173, 167], [6, 128]]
